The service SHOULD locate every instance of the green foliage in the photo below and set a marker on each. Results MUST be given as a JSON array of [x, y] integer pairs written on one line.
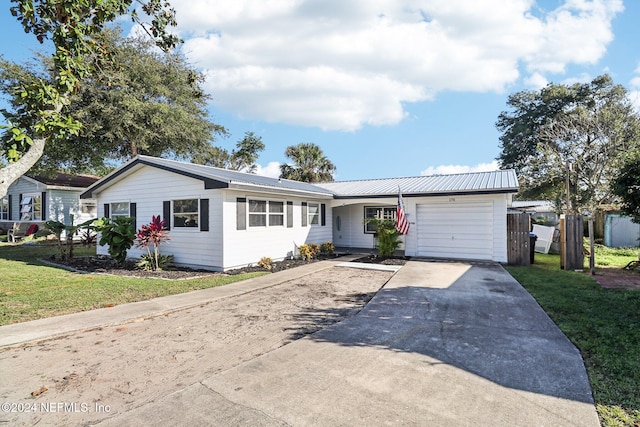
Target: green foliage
[[31, 290], [626, 186], [151, 236], [151, 262], [266, 263], [118, 233], [309, 251], [327, 248], [57, 228], [75, 28], [142, 101], [310, 164], [242, 158], [590, 126], [602, 323], [387, 234]]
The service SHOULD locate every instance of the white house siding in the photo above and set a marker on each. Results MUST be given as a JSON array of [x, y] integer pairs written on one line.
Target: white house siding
[[22, 186], [245, 247], [61, 204], [148, 188], [351, 233]]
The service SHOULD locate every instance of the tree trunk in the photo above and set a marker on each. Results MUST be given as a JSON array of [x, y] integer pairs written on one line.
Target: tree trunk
[[9, 174]]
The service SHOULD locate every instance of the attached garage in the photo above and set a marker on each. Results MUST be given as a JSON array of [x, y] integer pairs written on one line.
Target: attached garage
[[455, 230], [458, 216]]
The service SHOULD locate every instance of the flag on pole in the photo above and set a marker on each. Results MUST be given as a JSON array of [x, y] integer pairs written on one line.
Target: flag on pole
[[402, 225]]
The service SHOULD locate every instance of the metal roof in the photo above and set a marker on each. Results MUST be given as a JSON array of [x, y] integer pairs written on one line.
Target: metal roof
[[501, 181], [468, 183]]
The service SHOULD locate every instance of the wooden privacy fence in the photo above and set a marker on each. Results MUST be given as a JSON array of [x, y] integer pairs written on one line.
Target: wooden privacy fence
[[571, 242], [518, 239]]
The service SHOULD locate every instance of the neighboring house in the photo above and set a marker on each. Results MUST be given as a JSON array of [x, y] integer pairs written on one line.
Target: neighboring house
[[37, 199], [221, 219]]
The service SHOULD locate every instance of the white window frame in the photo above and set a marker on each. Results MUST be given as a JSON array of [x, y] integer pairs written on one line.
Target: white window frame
[[181, 225], [114, 214], [4, 208], [268, 216], [29, 206], [313, 218], [380, 212]]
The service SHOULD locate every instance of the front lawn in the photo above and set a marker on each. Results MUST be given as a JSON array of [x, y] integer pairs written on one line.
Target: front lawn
[[604, 324], [30, 290]]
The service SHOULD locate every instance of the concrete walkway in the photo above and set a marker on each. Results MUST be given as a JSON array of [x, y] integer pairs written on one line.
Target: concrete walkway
[[441, 344]]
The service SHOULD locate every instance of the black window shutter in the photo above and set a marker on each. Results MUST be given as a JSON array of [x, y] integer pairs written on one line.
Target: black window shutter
[[323, 214], [304, 214], [166, 214], [43, 206], [106, 210], [289, 214], [133, 213], [10, 207], [241, 213], [204, 214]]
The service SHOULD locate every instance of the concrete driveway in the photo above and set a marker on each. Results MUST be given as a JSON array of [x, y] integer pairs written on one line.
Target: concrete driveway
[[441, 344]]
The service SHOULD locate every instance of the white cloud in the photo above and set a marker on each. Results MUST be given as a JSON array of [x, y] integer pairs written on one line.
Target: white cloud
[[536, 81], [634, 92], [272, 170], [341, 64], [449, 169]]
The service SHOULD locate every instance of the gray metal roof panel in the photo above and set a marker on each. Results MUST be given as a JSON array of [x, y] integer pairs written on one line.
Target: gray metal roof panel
[[475, 182]]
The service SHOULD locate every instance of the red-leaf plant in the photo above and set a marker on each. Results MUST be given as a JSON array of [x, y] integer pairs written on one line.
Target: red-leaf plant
[[153, 235]]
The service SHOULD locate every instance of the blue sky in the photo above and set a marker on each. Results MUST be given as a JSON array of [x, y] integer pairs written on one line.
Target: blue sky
[[388, 88]]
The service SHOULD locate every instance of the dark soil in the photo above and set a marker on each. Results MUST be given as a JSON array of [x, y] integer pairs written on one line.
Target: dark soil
[[105, 265], [374, 259]]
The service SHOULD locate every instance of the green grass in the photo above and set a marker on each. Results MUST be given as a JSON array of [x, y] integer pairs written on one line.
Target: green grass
[[604, 325], [614, 257], [30, 290]]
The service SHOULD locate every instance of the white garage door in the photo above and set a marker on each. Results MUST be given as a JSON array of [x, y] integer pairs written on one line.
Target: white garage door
[[455, 230]]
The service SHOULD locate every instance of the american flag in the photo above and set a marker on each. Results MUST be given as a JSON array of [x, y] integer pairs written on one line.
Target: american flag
[[402, 225]]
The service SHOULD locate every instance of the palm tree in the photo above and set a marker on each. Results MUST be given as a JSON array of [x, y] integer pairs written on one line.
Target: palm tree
[[310, 164]]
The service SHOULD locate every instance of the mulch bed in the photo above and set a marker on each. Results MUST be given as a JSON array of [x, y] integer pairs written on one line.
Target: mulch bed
[[105, 265], [374, 259]]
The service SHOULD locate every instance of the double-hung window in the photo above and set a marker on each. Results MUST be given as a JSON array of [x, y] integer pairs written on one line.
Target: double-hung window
[[31, 207], [263, 213], [380, 212], [186, 213], [314, 213]]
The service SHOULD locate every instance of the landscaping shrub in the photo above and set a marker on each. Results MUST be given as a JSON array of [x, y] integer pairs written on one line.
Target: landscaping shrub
[[387, 234], [118, 233], [308, 252], [327, 248], [151, 236], [266, 262]]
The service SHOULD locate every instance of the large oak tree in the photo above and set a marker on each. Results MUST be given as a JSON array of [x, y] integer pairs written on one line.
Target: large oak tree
[[580, 132], [142, 101], [75, 29]]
